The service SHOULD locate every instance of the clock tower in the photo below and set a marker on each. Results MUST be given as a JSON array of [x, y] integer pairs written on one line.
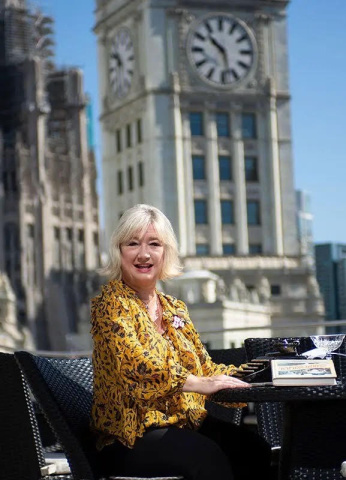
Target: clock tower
[[195, 114]]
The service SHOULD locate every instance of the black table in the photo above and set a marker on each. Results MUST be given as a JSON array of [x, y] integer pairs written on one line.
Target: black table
[[314, 427], [269, 393]]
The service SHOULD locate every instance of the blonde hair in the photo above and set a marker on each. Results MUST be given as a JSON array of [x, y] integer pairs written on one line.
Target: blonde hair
[[134, 221]]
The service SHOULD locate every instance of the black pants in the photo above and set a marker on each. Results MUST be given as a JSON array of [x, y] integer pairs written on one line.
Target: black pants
[[217, 451]]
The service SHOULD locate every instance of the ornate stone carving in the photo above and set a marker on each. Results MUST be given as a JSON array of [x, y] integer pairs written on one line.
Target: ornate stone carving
[[263, 288], [312, 287]]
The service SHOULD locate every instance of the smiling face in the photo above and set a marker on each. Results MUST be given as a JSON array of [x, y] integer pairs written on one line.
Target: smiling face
[[142, 260]]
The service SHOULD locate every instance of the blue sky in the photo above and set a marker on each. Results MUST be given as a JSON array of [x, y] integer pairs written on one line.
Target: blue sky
[[317, 60]]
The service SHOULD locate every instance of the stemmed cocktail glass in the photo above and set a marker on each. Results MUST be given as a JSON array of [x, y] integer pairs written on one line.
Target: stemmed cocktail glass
[[328, 343]]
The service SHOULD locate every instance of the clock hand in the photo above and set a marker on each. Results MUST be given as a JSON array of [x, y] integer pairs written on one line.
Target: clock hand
[[220, 47]]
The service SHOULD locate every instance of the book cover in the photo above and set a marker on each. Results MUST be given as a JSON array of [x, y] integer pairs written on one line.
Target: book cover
[[303, 372]]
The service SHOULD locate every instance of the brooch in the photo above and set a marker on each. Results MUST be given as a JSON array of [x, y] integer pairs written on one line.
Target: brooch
[[178, 322]]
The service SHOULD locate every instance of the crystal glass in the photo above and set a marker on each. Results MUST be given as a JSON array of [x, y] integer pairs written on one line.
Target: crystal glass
[[329, 343]]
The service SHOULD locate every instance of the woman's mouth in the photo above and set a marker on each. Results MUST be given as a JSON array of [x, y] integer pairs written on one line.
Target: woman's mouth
[[144, 268]]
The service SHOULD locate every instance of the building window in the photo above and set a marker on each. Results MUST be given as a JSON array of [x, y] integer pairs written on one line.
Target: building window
[[255, 249], [96, 248], [120, 182], [225, 167], [222, 124], [249, 129], [10, 181], [201, 215], [196, 123], [69, 234], [202, 249], [128, 135], [80, 260], [31, 230], [275, 290], [140, 174], [56, 248], [251, 171], [118, 140], [227, 214], [228, 248], [139, 131], [253, 212], [198, 167], [68, 250], [31, 251], [130, 178]]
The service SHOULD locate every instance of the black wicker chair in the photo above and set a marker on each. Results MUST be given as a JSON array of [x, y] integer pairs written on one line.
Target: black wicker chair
[[63, 389], [21, 453]]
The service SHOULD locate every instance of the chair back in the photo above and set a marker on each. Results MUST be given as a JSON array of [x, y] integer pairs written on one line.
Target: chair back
[[228, 356], [63, 388], [20, 446]]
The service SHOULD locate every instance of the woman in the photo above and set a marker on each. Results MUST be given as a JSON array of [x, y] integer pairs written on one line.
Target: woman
[[152, 373]]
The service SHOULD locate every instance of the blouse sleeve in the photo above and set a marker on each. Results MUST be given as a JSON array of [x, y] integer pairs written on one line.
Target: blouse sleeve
[[146, 373], [208, 366]]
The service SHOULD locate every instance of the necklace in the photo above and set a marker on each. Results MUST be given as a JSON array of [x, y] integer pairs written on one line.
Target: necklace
[[153, 314]]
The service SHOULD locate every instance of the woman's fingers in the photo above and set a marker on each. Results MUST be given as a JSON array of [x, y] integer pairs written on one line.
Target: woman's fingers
[[220, 382]]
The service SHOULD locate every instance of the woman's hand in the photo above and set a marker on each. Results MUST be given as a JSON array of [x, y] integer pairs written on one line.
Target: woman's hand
[[209, 385]]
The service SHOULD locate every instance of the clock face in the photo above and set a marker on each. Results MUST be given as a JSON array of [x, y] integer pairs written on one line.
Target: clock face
[[221, 49], [121, 63]]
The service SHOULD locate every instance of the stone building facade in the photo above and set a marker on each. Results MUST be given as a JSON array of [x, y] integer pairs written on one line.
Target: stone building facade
[[13, 336], [49, 224]]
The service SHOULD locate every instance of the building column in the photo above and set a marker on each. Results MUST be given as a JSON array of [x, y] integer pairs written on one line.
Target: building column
[[189, 188], [265, 183], [212, 163], [274, 172], [180, 169], [240, 207]]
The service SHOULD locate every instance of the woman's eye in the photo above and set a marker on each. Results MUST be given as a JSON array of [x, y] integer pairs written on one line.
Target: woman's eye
[[132, 243], [155, 244]]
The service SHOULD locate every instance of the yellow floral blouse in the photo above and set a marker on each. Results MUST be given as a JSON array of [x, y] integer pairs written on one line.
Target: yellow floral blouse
[[138, 373]]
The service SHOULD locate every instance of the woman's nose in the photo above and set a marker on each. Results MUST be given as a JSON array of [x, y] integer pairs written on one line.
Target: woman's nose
[[143, 254]]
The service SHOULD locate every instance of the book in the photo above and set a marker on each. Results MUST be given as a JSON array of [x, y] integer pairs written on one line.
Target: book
[[303, 372]]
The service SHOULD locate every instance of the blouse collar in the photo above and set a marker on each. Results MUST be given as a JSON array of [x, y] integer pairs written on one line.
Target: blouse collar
[[124, 293]]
